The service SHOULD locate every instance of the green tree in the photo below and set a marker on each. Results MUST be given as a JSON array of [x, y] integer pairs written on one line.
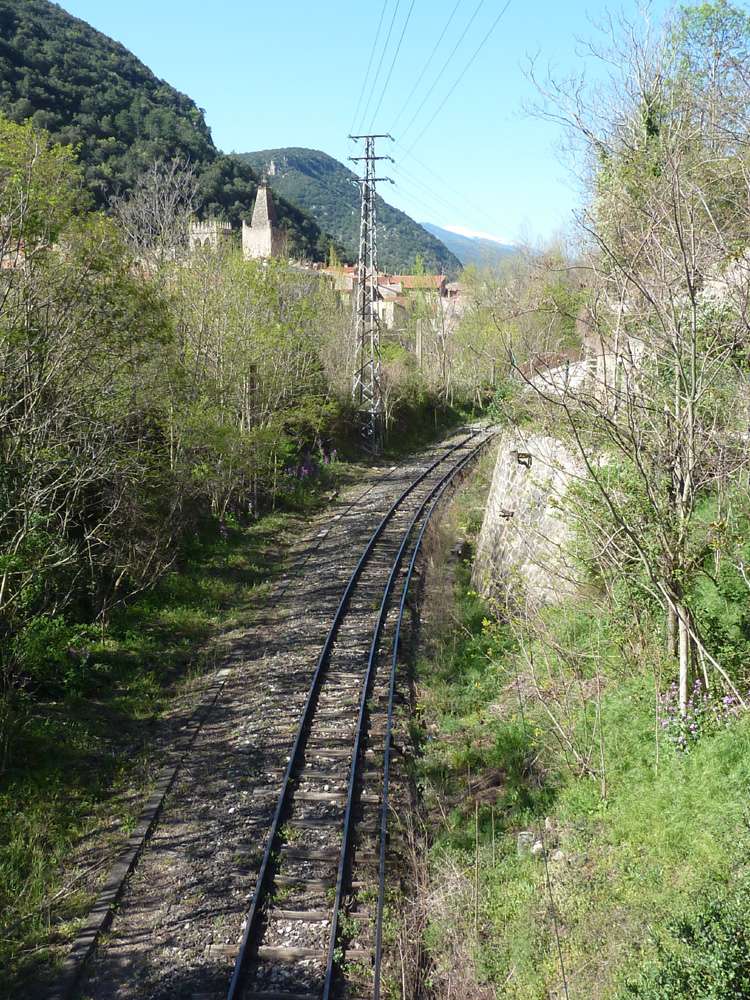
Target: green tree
[[668, 211]]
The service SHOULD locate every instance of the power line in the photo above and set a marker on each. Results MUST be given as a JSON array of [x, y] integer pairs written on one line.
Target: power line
[[427, 198], [436, 198], [482, 209], [369, 64], [427, 65], [443, 68], [399, 185], [463, 72], [380, 61], [411, 196], [393, 63], [412, 181]]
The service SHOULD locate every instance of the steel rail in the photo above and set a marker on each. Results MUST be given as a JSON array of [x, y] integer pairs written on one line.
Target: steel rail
[[311, 552], [125, 860], [389, 723], [431, 499], [253, 915]]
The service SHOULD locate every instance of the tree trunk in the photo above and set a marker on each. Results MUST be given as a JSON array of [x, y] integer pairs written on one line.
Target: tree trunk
[[684, 656], [671, 630]]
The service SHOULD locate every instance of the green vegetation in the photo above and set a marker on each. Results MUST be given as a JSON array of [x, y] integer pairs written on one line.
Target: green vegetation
[[646, 878], [91, 93], [151, 410], [88, 737], [704, 953], [419, 418], [589, 758], [162, 414], [327, 190], [136, 400], [586, 757]]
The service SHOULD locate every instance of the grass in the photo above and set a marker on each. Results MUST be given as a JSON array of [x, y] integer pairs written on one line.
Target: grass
[[629, 862], [669, 838], [84, 749]]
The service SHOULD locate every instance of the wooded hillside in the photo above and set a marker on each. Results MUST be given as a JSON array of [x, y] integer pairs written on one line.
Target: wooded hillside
[[329, 192], [90, 92]]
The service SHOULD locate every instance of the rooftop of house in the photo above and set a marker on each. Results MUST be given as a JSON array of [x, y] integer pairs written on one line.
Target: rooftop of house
[[414, 281], [395, 283]]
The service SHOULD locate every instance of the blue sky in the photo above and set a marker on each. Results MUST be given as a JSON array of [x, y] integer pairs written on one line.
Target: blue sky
[[289, 73]]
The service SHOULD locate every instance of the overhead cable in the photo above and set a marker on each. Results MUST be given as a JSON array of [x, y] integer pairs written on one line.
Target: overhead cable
[[429, 199], [369, 65], [463, 73], [393, 63], [443, 68], [437, 198], [448, 185], [427, 65], [399, 186], [380, 61]]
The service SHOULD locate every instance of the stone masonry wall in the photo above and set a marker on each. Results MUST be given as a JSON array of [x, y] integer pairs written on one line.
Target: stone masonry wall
[[524, 547]]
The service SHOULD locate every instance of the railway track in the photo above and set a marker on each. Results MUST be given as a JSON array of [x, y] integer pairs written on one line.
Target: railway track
[[286, 787], [313, 930]]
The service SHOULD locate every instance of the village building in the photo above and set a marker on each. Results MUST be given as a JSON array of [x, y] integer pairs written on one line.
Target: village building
[[409, 284], [396, 292]]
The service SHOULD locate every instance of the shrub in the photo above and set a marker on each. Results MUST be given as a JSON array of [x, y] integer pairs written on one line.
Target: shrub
[[705, 955]]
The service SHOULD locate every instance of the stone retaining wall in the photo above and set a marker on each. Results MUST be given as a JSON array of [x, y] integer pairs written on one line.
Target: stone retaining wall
[[524, 547]]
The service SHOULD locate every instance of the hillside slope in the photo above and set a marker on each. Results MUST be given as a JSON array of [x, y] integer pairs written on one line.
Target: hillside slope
[[89, 91], [327, 190], [477, 250]]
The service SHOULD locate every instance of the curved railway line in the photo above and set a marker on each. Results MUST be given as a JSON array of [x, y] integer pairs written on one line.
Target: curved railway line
[[331, 791], [313, 929]]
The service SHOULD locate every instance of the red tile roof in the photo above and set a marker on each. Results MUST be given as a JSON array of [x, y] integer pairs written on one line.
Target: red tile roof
[[418, 280]]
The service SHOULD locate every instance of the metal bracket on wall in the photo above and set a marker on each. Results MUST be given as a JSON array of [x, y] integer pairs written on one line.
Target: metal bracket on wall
[[522, 457]]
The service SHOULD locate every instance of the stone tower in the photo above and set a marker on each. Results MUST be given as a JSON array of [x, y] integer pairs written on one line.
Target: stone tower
[[262, 238]]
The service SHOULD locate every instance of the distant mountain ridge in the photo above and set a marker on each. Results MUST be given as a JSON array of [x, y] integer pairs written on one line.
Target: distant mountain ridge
[[478, 250], [327, 190], [91, 92]]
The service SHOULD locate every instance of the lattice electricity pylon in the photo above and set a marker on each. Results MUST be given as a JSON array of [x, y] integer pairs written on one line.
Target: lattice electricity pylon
[[366, 388]]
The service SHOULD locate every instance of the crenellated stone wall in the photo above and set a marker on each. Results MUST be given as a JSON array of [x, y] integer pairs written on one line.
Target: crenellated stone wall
[[208, 233]]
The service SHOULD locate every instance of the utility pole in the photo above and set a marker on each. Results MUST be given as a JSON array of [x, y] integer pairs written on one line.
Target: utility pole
[[366, 388]]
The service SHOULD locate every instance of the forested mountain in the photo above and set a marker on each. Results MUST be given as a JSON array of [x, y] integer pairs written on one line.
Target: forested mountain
[[171, 426], [91, 92], [476, 250], [327, 190]]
